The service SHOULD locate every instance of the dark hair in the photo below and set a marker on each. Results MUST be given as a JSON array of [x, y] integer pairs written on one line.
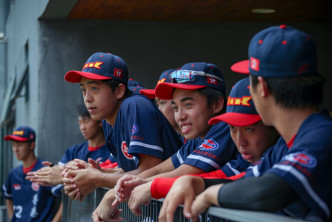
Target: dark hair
[[295, 92], [212, 97], [113, 84], [82, 111]]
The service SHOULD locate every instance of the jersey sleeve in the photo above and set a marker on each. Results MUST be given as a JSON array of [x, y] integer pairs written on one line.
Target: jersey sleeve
[[150, 132], [236, 166], [7, 189], [215, 151], [187, 148]]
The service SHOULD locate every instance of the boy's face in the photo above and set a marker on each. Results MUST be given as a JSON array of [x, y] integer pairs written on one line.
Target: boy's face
[[252, 141], [99, 99], [89, 128], [165, 107], [191, 113], [21, 149]]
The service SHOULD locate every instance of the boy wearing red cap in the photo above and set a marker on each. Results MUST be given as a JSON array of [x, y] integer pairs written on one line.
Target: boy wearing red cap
[[197, 92], [251, 136], [25, 200], [287, 92], [136, 132]]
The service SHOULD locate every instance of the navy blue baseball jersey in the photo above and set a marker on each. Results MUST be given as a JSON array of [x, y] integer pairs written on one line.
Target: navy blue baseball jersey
[[140, 128], [236, 166], [305, 167], [31, 202], [83, 152], [270, 157], [211, 153]]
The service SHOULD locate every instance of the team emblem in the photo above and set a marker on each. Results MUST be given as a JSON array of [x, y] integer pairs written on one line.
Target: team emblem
[[16, 186], [35, 186], [118, 73], [212, 80], [124, 149], [254, 64], [302, 159], [134, 129], [209, 145]]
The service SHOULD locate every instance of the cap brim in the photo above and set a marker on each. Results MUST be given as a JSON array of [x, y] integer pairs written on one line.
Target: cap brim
[[150, 93], [236, 119], [165, 90], [16, 138], [75, 76], [241, 67]]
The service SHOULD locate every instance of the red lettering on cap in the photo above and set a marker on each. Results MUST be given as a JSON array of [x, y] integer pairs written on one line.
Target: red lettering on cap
[[282, 26], [254, 64]]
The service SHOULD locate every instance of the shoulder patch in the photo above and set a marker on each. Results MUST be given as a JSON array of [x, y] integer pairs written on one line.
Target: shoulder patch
[[134, 129], [302, 158], [209, 144]]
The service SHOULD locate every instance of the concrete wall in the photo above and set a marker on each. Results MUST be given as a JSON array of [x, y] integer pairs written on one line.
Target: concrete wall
[[148, 48]]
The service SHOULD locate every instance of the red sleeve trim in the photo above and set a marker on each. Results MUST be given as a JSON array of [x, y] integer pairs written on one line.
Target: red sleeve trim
[[214, 174], [160, 187]]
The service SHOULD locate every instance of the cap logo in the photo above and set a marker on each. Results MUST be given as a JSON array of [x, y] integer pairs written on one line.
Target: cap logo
[[161, 81], [118, 73], [93, 65], [244, 101], [254, 64], [20, 133], [212, 80]]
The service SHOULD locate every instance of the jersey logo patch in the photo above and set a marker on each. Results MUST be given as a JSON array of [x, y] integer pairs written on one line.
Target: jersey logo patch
[[35, 186], [209, 145], [134, 129], [302, 159], [16, 186], [124, 149]]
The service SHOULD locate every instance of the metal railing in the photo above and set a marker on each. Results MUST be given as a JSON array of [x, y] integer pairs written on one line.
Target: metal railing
[[81, 212]]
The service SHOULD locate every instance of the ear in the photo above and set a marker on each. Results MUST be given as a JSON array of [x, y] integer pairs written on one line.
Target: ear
[[263, 89], [32, 145], [219, 105], [120, 91]]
